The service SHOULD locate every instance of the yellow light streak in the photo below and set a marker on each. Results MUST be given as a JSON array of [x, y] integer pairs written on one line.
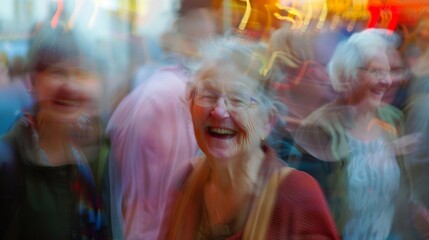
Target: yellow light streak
[[351, 25], [246, 16], [322, 16], [335, 21], [292, 14], [308, 16]]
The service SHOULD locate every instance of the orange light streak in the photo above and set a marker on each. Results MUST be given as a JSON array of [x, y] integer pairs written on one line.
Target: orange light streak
[[55, 18]]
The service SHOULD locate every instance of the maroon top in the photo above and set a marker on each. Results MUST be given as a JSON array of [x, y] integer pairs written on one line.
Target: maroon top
[[301, 211]]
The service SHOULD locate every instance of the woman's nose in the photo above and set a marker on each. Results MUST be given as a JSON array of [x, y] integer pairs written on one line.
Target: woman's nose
[[386, 81], [220, 110]]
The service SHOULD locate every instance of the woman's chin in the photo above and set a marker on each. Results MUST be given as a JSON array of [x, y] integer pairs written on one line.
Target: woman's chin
[[63, 118], [222, 153]]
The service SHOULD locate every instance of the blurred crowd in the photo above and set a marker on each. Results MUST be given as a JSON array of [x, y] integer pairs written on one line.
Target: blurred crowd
[[215, 134]]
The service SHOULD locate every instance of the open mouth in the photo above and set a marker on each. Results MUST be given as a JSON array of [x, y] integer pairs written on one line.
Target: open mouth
[[223, 133], [377, 92], [67, 102]]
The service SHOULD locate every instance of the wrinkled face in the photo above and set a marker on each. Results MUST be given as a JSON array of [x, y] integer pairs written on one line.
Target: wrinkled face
[[64, 92], [374, 81], [398, 75], [228, 129]]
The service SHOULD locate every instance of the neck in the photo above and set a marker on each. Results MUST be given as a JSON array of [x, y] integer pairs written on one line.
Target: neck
[[241, 172], [365, 123], [362, 108], [54, 139], [228, 194], [364, 114]]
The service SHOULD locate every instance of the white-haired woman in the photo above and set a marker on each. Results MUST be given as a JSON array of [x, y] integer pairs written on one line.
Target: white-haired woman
[[355, 137], [239, 188]]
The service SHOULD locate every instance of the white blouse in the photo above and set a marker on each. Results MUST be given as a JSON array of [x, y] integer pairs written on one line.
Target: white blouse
[[373, 182]]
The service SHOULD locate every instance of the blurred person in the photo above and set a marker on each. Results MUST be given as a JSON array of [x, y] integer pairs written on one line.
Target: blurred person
[[52, 161], [417, 42], [417, 123], [239, 189], [305, 87], [357, 137], [195, 22], [152, 136], [154, 58]]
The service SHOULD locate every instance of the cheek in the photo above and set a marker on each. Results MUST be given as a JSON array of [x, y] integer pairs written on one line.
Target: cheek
[[94, 95], [198, 118], [359, 91], [92, 90], [373, 83], [252, 125], [366, 84], [45, 89]]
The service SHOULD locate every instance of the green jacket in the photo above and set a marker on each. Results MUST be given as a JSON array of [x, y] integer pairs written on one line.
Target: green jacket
[[323, 135], [50, 202]]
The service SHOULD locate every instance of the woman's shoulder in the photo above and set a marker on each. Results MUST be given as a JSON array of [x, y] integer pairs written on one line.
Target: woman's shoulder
[[301, 203], [329, 121], [328, 114], [297, 183], [293, 183], [18, 135]]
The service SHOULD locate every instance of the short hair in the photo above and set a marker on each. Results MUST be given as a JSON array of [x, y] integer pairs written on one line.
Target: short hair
[[352, 54], [249, 58], [54, 45]]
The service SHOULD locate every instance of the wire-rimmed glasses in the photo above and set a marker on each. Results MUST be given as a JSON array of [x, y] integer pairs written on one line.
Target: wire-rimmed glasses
[[233, 101]]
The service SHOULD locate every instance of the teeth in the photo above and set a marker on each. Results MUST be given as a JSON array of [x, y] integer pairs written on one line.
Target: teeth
[[222, 131]]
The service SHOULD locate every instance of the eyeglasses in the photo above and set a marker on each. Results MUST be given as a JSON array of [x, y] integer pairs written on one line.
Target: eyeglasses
[[377, 73], [233, 101]]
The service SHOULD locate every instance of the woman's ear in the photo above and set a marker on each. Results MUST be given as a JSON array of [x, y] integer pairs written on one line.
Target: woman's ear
[[190, 93], [271, 120]]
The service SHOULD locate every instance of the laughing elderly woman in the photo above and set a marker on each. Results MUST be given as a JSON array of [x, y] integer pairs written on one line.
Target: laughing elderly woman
[[355, 136], [239, 188]]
